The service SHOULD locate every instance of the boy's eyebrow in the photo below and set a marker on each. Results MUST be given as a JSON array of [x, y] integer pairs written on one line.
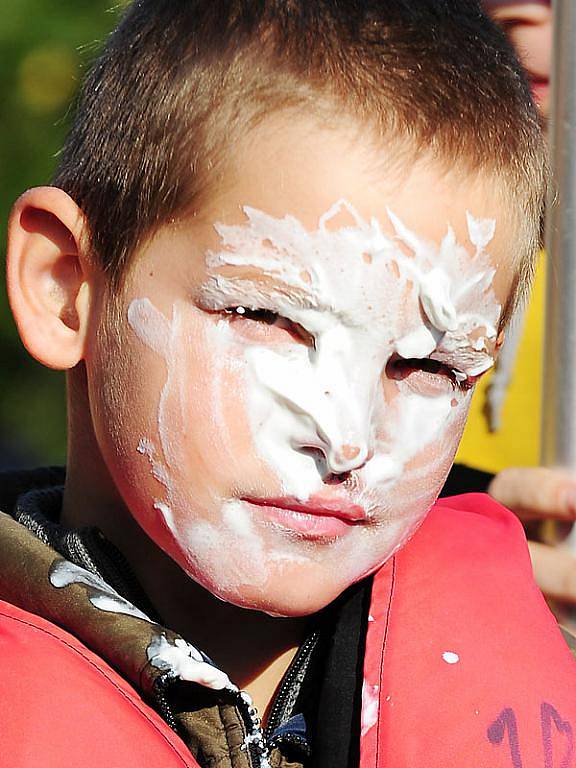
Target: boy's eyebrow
[[241, 277], [238, 271], [466, 359]]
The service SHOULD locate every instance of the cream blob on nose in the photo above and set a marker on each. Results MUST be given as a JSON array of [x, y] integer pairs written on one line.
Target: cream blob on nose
[[347, 457]]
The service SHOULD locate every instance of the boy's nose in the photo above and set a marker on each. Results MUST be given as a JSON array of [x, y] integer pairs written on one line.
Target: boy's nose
[[346, 458]]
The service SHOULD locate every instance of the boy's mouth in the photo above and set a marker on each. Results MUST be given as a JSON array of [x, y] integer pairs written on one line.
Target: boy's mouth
[[540, 87], [317, 518]]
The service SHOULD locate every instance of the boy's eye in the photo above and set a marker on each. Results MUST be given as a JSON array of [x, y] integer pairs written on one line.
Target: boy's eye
[[263, 324], [258, 315], [429, 376]]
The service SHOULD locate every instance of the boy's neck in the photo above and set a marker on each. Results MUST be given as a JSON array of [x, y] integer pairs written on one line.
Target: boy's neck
[[252, 648]]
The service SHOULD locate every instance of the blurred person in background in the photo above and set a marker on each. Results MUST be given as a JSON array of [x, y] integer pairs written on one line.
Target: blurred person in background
[[500, 447]]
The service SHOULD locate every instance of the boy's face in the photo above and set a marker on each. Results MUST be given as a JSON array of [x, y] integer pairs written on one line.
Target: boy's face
[[283, 395], [529, 27]]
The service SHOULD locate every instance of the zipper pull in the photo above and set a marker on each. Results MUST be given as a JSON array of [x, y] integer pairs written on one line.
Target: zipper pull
[[254, 742]]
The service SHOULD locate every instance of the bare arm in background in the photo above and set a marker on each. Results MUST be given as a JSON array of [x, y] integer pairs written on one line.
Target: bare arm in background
[[540, 493]]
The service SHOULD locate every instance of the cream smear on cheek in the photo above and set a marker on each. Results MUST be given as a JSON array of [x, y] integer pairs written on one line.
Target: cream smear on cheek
[[363, 296], [201, 542]]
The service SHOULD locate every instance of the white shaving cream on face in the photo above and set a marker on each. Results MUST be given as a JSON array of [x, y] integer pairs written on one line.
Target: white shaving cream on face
[[316, 394], [326, 399], [201, 541]]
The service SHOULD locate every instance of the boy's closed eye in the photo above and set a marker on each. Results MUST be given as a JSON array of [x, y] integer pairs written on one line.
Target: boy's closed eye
[[429, 376], [264, 325]]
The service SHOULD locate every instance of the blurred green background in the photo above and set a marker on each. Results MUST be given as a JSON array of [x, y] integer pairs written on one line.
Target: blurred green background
[[45, 46]]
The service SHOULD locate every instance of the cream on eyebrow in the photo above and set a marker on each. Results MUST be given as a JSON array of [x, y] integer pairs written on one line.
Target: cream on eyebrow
[[466, 359], [257, 292], [288, 264]]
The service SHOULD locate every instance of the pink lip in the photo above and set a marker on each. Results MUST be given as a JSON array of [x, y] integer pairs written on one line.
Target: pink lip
[[315, 519], [540, 88]]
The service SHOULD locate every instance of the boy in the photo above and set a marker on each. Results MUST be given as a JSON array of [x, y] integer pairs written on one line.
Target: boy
[[275, 261]]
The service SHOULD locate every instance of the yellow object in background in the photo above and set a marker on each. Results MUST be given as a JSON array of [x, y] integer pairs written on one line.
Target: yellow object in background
[[517, 443]]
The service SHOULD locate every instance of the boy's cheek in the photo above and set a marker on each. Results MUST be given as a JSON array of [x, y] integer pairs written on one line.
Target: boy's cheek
[[173, 411], [409, 496]]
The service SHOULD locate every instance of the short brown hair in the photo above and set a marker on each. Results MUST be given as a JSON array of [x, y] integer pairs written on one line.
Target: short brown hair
[[180, 81]]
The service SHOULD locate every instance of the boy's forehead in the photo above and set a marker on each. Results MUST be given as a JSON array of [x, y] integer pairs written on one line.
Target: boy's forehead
[[301, 170], [356, 273]]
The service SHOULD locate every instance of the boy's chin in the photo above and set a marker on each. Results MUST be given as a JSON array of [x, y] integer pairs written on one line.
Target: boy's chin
[[281, 601], [284, 609]]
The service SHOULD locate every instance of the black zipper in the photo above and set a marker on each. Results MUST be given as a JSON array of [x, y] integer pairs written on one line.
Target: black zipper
[[260, 740], [254, 739], [280, 699], [163, 707]]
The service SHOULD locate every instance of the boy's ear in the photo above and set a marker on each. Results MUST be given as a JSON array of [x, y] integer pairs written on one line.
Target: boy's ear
[[47, 276]]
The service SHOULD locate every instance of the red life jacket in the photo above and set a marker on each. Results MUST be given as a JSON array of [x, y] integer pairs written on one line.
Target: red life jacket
[[465, 668]]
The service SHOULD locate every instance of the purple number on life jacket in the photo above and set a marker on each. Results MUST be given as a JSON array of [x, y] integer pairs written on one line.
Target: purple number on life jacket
[[549, 715], [506, 723]]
